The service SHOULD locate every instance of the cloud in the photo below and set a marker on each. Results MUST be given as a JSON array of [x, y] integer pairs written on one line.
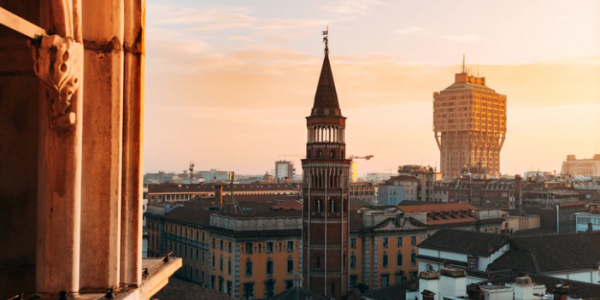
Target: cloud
[[413, 30], [172, 14], [352, 7], [462, 38], [239, 38]]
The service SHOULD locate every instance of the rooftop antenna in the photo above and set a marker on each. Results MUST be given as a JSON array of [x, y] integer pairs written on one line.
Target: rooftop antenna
[[463, 65], [326, 40], [192, 172]]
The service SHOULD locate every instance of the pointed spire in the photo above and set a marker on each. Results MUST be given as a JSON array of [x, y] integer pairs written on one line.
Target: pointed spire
[[326, 100]]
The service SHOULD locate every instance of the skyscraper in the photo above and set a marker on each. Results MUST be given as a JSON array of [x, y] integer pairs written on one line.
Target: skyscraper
[[469, 121], [325, 189]]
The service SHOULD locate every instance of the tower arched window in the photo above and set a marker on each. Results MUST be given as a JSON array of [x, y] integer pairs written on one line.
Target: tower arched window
[[319, 154], [331, 154], [332, 206], [318, 263], [319, 208]]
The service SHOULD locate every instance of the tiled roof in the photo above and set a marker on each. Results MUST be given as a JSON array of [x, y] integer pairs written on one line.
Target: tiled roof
[[548, 253], [178, 289], [297, 293], [443, 213], [288, 205], [401, 178], [210, 187], [533, 232], [393, 292], [191, 215], [463, 241], [358, 203]]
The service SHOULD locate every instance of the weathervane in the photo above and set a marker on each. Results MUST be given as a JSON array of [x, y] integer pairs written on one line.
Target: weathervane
[[326, 40]]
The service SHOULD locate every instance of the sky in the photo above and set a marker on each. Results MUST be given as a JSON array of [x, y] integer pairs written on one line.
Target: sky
[[229, 83]]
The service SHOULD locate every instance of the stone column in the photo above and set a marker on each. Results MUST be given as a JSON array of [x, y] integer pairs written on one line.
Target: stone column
[[59, 65], [102, 144]]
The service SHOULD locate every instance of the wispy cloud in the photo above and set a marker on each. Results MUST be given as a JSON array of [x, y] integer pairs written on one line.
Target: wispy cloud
[[172, 14], [462, 38], [413, 30], [240, 38], [352, 7]]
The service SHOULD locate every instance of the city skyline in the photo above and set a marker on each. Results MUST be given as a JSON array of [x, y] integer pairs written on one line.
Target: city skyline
[[231, 104]]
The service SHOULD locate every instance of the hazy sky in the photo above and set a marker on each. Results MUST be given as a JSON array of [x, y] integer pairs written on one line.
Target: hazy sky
[[229, 83]]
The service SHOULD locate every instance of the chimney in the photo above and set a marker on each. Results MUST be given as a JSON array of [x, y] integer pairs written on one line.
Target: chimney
[[219, 194], [590, 227], [429, 285], [523, 288], [490, 248], [428, 295], [561, 292], [453, 282], [287, 180]]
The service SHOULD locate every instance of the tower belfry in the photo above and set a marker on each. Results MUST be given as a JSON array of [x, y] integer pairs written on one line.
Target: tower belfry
[[325, 189]]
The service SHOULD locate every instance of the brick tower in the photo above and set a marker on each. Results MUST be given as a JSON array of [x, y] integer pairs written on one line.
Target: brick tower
[[325, 191]]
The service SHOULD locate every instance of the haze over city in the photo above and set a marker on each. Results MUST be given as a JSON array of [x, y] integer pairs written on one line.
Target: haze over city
[[241, 77]]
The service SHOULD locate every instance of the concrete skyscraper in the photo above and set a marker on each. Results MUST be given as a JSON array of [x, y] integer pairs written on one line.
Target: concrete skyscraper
[[469, 121], [325, 189]]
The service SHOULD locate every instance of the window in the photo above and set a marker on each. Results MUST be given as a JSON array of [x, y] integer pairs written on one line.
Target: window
[[385, 242], [229, 246], [212, 282], [399, 241], [353, 243], [399, 259], [318, 263], [229, 266], [289, 284], [269, 267], [249, 290], [353, 262], [413, 258], [248, 248], [290, 246], [400, 276], [269, 247], [221, 263], [333, 289], [248, 268], [472, 262], [331, 206], [269, 289], [385, 280], [221, 247], [353, 280], [213, 261], [259, 248], [213, 243], [413, 240], [229, 287], [384, 260], [414, 274], [220, 284], [290, 265], [318, 206]]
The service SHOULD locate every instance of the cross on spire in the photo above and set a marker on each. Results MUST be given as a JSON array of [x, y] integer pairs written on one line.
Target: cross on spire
[[326, 40]]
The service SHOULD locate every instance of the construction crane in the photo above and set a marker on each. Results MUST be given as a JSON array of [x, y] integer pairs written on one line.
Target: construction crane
[[366, 157]]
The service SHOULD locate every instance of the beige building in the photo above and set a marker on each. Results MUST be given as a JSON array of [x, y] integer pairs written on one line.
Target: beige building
[[469, 121], [581, 167]]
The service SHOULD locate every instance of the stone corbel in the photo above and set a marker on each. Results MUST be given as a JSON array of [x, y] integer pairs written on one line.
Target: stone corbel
[[59, 64]]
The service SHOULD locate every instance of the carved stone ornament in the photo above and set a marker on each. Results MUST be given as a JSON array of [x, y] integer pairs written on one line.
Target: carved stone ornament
[[59, 63]]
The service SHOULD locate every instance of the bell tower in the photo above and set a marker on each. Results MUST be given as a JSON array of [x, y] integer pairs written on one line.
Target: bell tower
[[325, 191]]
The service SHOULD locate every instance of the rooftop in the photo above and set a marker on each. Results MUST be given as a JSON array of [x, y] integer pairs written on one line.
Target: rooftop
[[463, 241]]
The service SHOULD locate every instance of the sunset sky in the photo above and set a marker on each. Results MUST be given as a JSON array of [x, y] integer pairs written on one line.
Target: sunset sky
[[229, 83]]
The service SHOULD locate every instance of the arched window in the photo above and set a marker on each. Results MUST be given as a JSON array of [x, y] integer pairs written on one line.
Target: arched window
[[319, 154], [331, 206], [270, 266], [353, 261], [248, 267], [331, 154], [319, 206]]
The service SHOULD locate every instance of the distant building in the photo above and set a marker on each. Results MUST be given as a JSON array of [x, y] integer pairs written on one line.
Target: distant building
[[354, 172], [158, 193], [366, 191], [283, 169], [589, 219], [213, 175], [398, 189], [379, 176], [440, 190], [581, 167], [427, 177], [469, 121]]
